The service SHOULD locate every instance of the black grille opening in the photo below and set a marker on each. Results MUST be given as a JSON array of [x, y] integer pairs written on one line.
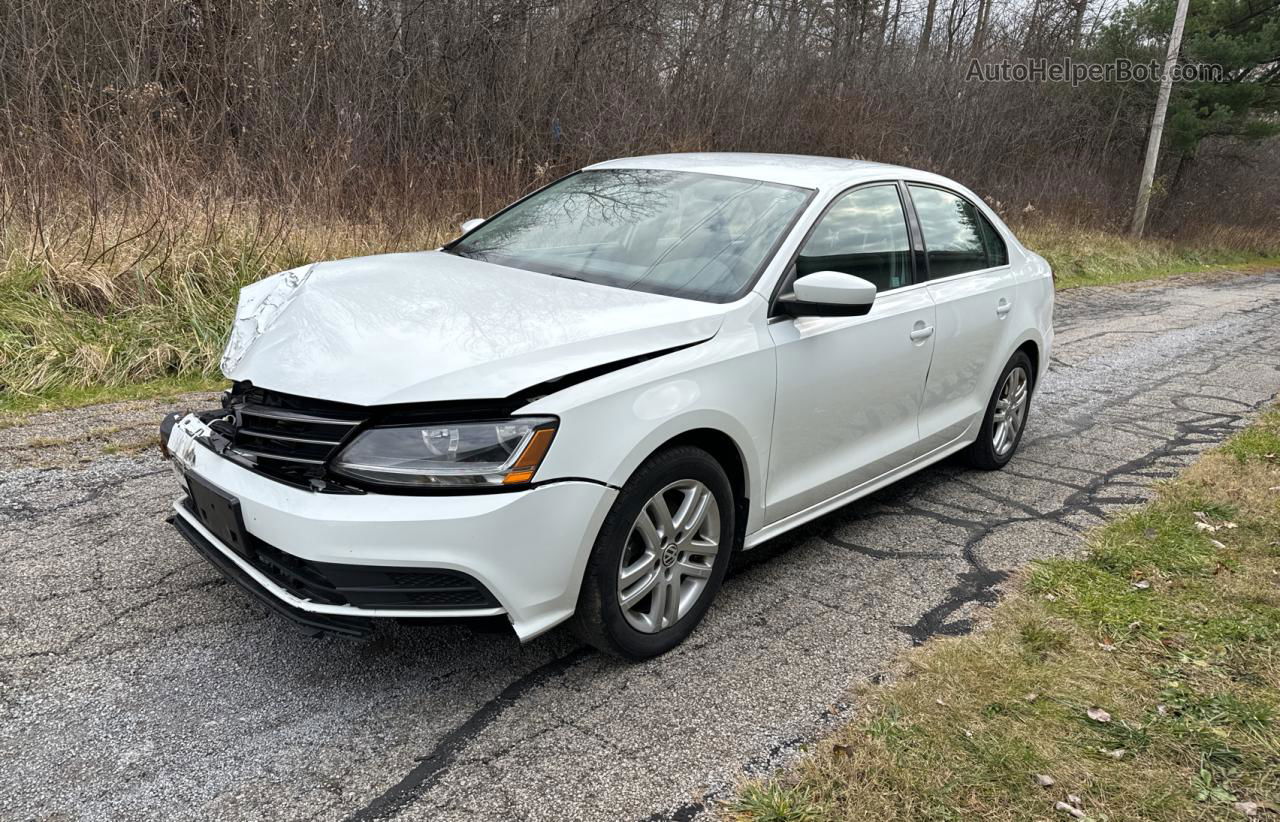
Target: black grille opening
[[297, 576], [290, 438], [395, 587]]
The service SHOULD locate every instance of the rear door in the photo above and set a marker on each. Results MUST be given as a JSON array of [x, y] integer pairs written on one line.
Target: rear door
[[974, 290], [849, 388]]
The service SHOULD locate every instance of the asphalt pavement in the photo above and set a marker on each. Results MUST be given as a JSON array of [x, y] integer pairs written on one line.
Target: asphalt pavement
[[136, 684]]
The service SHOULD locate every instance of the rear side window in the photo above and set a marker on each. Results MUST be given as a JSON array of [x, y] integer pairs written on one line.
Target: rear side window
[[953, 233], [864, 233]]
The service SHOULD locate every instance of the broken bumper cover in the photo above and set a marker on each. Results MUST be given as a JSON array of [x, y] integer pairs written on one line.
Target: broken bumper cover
[[314, 623], [330, 561]]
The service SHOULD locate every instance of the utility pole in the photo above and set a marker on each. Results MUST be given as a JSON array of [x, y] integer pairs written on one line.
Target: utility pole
[[1157, 122]]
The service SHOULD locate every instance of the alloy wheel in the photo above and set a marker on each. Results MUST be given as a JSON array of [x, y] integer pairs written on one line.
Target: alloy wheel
[[1010, 411], [669, 555]]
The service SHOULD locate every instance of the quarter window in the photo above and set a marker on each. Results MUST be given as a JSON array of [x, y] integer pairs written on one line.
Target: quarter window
[[864, 233], [952, 232], [997, 253]]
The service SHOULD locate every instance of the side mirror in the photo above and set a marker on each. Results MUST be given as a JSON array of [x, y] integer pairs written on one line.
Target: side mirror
[[474, 222], [829, 294]]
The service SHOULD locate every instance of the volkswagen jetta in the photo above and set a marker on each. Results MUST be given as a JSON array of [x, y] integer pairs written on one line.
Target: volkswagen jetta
[[587, 403]]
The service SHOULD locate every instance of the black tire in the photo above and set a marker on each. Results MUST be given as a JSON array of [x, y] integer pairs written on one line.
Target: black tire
[[599, 618], [982, 453]]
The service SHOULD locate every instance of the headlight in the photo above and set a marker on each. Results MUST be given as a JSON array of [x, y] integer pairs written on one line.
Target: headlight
[[497, 452]]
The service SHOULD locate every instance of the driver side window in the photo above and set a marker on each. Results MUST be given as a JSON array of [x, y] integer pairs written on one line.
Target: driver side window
[[864, 233]]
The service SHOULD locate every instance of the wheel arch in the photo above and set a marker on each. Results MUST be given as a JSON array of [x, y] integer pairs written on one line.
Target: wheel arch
[[725, 450], [1032, 350], [730, 455]]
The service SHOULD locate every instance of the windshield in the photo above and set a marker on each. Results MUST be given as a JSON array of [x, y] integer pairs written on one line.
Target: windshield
[[688, 235]]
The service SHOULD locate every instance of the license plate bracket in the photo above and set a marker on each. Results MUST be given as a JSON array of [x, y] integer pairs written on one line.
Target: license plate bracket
[[219, 512]]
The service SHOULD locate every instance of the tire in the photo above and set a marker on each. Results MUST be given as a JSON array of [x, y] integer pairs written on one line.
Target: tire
[[658, 620], [992, 450]]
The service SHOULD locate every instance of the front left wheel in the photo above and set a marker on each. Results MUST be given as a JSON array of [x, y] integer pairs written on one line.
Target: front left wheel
[[660, 556]]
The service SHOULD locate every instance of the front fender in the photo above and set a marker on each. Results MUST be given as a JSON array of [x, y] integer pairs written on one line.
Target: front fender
[[612, 424]]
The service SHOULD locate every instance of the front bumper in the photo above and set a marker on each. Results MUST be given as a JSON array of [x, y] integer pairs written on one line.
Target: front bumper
[[526, 549]]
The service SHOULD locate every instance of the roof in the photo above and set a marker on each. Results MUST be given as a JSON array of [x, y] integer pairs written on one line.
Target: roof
[[790, 169]]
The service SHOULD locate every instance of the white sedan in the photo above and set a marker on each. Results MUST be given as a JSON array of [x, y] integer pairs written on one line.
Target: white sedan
[[586, 404]]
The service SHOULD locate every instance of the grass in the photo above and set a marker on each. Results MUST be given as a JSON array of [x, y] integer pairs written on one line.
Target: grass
[[1091, 257], [1170, 625], [98, 307], [15, 407], [147, 301]]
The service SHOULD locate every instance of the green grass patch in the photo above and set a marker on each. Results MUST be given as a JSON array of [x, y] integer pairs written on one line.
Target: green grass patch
[[1089, 257], [1260, 442], [15, 407], [1142, 680]]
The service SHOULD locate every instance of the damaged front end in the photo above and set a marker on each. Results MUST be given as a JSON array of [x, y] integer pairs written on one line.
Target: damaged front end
[[296, 440], [289, 439], [260, 304]]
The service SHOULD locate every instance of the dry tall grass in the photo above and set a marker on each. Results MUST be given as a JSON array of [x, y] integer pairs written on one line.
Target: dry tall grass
[[133, 294]]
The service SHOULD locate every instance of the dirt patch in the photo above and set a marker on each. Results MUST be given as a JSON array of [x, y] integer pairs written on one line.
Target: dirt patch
[[75, 437]]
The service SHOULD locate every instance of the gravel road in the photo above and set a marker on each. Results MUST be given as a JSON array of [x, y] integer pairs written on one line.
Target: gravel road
[[136, 684]]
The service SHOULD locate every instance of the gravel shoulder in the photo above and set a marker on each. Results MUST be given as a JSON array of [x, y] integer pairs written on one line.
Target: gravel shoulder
[[135, 683]]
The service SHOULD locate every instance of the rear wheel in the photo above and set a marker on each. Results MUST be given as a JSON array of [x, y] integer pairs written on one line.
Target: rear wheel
[[660, 556], [1006, 416]]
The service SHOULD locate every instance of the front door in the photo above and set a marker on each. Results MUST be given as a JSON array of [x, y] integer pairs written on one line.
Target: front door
[[849, 388]]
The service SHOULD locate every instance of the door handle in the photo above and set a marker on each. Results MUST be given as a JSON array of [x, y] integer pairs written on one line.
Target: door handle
[[921, 332], [1003, 307]]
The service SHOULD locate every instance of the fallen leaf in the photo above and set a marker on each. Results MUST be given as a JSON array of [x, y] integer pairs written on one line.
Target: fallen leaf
[[1098, 715], [1075, 800], [1043, 780], [1204, 526], [1142, 584], [1247, 808], [841, 750], [1218, 544], [1075, 813]]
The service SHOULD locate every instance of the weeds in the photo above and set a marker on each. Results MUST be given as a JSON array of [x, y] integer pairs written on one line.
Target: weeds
[[1082, 256]]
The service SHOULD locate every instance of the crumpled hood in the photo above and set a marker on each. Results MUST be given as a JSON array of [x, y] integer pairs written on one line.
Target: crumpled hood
[[431, 326]]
